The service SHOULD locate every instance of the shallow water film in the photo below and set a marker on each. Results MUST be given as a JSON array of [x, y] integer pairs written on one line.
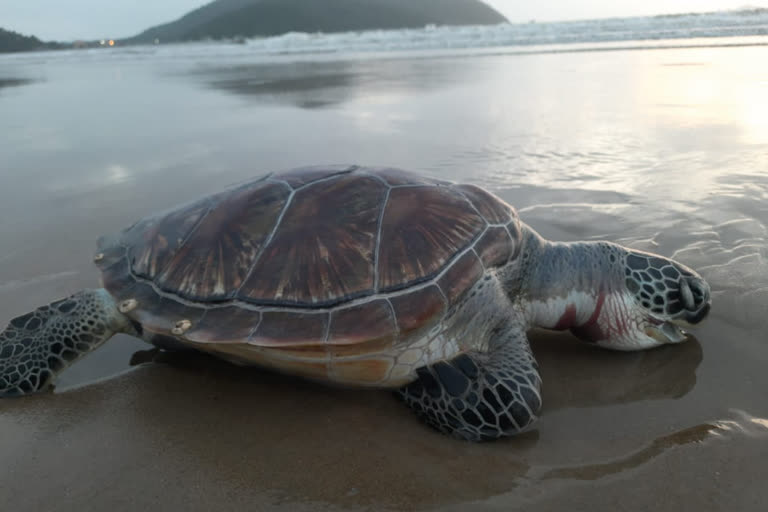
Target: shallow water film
[[659, 149]]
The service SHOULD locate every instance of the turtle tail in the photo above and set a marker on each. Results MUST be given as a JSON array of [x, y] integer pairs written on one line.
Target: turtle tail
[[36, 347]]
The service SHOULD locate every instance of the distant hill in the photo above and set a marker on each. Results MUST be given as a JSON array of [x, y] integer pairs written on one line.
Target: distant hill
[[246, 18], [15, 42]]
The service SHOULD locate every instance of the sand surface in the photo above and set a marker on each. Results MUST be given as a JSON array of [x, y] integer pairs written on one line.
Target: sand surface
[[659, 150]]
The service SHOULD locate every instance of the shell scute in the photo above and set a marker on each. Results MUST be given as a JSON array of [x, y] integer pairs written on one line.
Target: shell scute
[[161, 317], [117, 276], [515, 230], [147, 311], [322, 251], [366, 371], [214, 262], [154, 241], [422, 229], [464, 273], [230, 324], [417, 312], [304, 175], [293, 362], [271, 264], [371, 324], [119, 282], [493, 209], [398, 177], [290, 329], [495, 247]]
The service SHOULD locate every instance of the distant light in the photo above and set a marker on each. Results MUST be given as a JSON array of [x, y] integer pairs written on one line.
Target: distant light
[[102, 42], [111, 42]]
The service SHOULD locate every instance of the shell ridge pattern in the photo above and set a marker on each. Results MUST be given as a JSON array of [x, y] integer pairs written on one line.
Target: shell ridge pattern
[[271, 308], [377, 178], [438, 239], [209, 207], [443, 296], [477, 255], [149, 254], [256, 307], [511, 212], [321, 253], [454, 262], [255, 328], [416, 185], [326, 311], [465, 238], [515, 244], [428, 280], [515, 241], [394, 318], [378, 241], [269, 238], [468, 200], [332, 177], [208, 264], [326, 335]]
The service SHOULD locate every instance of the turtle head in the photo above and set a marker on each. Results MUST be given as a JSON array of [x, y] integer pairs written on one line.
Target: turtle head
[[607, 294], [667, 294], [642, 300]]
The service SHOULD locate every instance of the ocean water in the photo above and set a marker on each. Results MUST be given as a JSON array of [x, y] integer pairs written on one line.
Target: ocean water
[[659, 145], [643, 30]]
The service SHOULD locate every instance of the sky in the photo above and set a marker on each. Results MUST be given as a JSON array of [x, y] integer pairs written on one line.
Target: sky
[[66, 20]]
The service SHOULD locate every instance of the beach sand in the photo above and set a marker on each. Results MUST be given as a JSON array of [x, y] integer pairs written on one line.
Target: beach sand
[[630, 146]]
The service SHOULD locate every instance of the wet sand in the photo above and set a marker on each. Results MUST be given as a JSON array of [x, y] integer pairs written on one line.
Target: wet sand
[[660, 150]]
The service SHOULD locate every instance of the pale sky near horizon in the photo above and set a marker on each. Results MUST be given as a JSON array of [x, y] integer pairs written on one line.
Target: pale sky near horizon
[[66, 20]]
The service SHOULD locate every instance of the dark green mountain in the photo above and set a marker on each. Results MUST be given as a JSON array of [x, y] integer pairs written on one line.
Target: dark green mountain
[[15, 42], [232, 18]]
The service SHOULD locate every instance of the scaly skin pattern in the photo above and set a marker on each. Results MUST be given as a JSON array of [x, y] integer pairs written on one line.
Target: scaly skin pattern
[[35, 347], [492, 387], [489, 390], [606, 294]]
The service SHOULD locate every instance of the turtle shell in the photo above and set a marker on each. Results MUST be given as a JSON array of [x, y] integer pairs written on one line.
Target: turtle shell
[[320, 262]]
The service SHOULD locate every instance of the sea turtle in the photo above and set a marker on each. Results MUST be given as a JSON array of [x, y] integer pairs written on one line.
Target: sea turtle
[[360, 276]]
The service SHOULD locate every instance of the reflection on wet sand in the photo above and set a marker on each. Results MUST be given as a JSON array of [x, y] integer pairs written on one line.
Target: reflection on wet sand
[[14, 82], [240, 425], [312, 85], [579, 375], [212, 427], [575, 373], [217, 431], [307, 92], [256, 415], [657, 447]]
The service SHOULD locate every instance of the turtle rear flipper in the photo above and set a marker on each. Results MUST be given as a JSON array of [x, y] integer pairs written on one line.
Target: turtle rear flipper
[[37, 346], [480, 395]]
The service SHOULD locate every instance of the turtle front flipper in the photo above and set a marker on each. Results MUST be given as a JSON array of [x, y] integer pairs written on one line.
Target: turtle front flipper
[[37, 346], [477, 395]]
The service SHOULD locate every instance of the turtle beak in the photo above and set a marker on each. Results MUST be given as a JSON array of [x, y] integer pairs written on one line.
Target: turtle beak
[[695, 298], [666, 332]]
